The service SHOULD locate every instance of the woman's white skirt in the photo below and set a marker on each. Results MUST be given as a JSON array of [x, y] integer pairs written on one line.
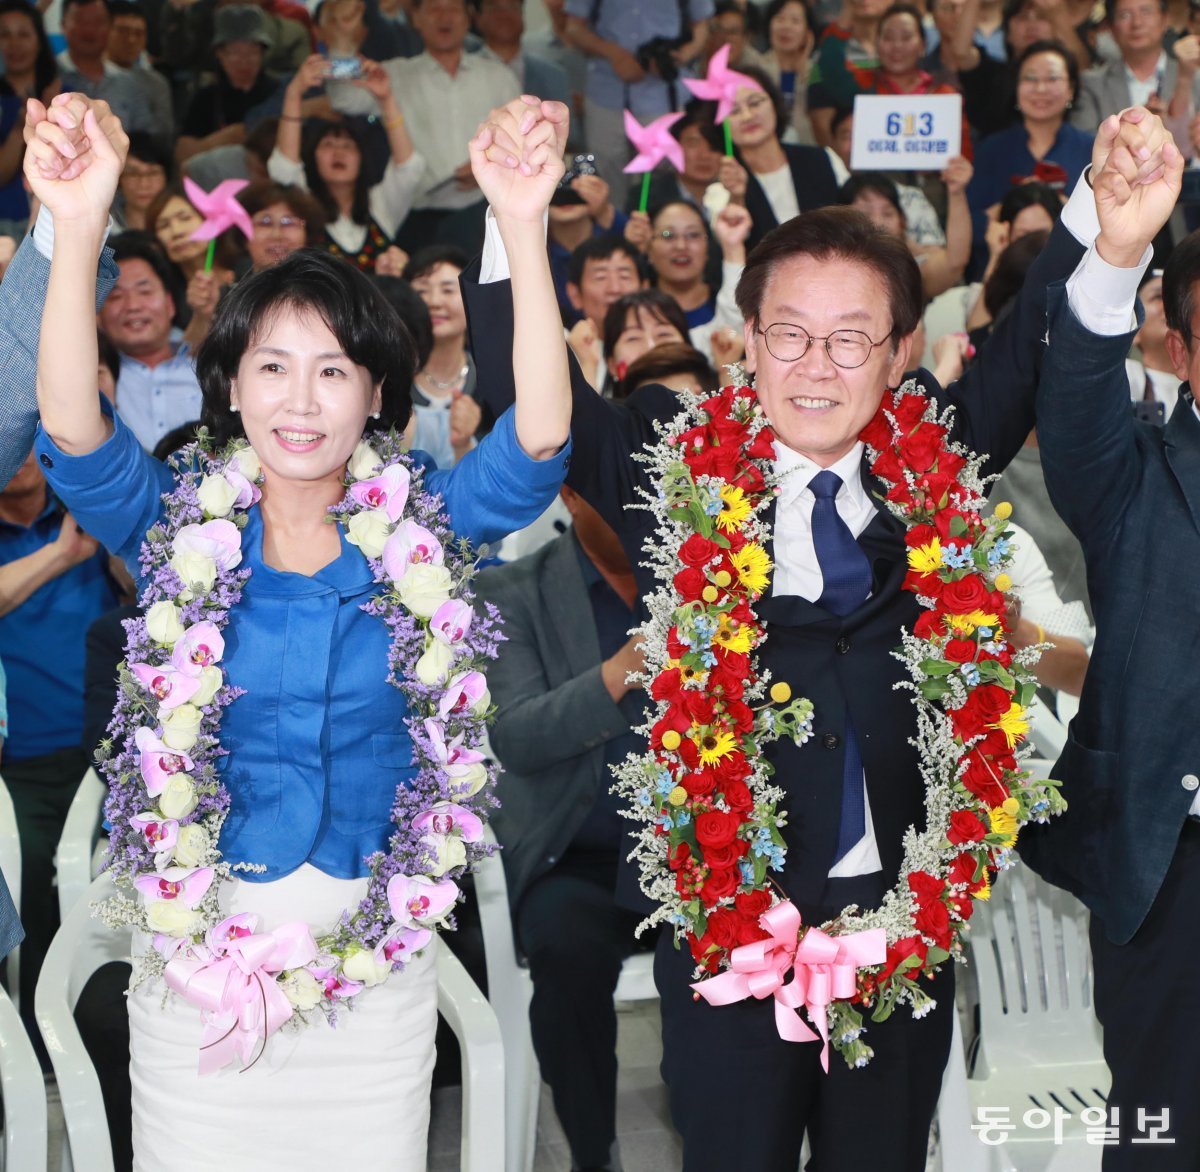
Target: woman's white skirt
[[316, 1094]]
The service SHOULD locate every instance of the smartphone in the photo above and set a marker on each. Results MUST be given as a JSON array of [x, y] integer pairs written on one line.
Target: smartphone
[[345, 68]]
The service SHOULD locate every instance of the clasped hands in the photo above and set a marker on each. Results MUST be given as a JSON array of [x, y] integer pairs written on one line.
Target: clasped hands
[[517, 157]]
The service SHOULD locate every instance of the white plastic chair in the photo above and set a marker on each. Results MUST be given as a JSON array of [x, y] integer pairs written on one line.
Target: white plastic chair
[[10, 867], [510, 991], [83, 944], [23, 1093], [1040, 1044], [80, 846]]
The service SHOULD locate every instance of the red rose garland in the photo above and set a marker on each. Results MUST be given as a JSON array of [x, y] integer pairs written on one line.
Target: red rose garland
[[711, 817]]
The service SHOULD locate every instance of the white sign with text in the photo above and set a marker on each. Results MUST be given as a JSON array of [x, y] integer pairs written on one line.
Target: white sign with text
[[910, 132]]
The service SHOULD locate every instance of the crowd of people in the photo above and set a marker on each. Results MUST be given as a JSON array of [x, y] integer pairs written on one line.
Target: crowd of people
[[355, 128]]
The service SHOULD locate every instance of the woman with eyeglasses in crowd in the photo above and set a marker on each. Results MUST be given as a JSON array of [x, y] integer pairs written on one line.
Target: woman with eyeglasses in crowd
[[328, 159]]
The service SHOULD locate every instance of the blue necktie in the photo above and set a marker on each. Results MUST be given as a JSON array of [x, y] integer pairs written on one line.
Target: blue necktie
[[846, 578]]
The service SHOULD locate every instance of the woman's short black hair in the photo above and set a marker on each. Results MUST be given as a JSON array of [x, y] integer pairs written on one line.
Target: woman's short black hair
[[703, 116], [874, 181], [347, 301], [147, 149], [1027, 195], [413, 312], [1011, 267], [426, 259], [655, 302], [903, 9]]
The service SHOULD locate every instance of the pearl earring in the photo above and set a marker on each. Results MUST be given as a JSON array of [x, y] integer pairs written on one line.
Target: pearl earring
[[374, 414], [234, 408]]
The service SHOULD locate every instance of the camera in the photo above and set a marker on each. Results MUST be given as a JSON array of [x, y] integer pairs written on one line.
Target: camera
[[655, 57], [563, 195]]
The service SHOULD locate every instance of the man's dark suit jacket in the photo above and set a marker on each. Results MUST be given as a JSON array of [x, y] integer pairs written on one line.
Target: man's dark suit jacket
[[554, 714], [842, 664], [813, 178], [1131, 493]]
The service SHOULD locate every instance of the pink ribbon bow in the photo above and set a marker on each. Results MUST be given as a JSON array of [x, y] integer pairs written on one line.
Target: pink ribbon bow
[[219, 208], [653, 142], [823, 970], [721, 84], [233, 983]]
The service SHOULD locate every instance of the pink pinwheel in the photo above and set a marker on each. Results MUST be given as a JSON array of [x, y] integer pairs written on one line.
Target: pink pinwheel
[[446, 817], [167, 685], [416, 900], [721, 83], [219, 208], [387, 491], [654, 143], [158, 762]]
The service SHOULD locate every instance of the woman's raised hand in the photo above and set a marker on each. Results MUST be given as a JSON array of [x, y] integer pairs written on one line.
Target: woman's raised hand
[[517, 157], [74, 153]]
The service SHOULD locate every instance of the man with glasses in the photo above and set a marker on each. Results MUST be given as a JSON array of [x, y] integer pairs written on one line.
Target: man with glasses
[[1144, 75], [830, 307]]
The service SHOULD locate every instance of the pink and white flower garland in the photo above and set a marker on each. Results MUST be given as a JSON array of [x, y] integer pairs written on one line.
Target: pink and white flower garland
[[166, 802]]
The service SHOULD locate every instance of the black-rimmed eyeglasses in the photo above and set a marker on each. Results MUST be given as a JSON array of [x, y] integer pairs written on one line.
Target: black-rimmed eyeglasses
[[848, 349]]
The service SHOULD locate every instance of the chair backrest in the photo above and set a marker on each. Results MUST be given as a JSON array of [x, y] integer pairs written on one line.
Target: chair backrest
[[81, 945], [10, 868], [1029, 946], [73, 860], [22, 1092]]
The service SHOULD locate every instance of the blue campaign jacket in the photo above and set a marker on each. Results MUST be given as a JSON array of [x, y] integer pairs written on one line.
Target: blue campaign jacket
[[1131, 493], [318, 744]]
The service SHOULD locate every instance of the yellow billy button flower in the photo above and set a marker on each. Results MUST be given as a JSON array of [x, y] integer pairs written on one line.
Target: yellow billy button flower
[[753, 566], [1012, 724], [925, 559], [781, 693], [734, 509], [710, 594], [715, 745], [1003, 582], [677, 796], [1003, 510], [1010, 806], [722, 578], [671, 740]]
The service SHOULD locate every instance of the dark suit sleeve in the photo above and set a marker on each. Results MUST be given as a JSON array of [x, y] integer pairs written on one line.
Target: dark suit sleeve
[[539, 726], [995, 397], [1086, 430], [604, 434], [22, 298]]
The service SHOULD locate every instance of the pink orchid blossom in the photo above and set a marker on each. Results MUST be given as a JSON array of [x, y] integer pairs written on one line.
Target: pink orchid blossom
[[161, 834], [451, 622], [187, 885], [200, 646], [220, 540], [417, 901], [219, 208], [653, 143], [463, 692], [158, 762], [721, 84], [167, 685], [454, 759], [401, 945], [387, 491], [232, 928], [447, 817], [410, 545]]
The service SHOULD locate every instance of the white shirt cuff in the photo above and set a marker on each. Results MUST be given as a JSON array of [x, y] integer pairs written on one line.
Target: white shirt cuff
[[1102, 296], [493, 264], [1079, 216], [43, 233]]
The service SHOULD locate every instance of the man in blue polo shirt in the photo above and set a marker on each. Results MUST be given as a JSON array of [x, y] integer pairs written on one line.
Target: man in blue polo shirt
[[53, 582]]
